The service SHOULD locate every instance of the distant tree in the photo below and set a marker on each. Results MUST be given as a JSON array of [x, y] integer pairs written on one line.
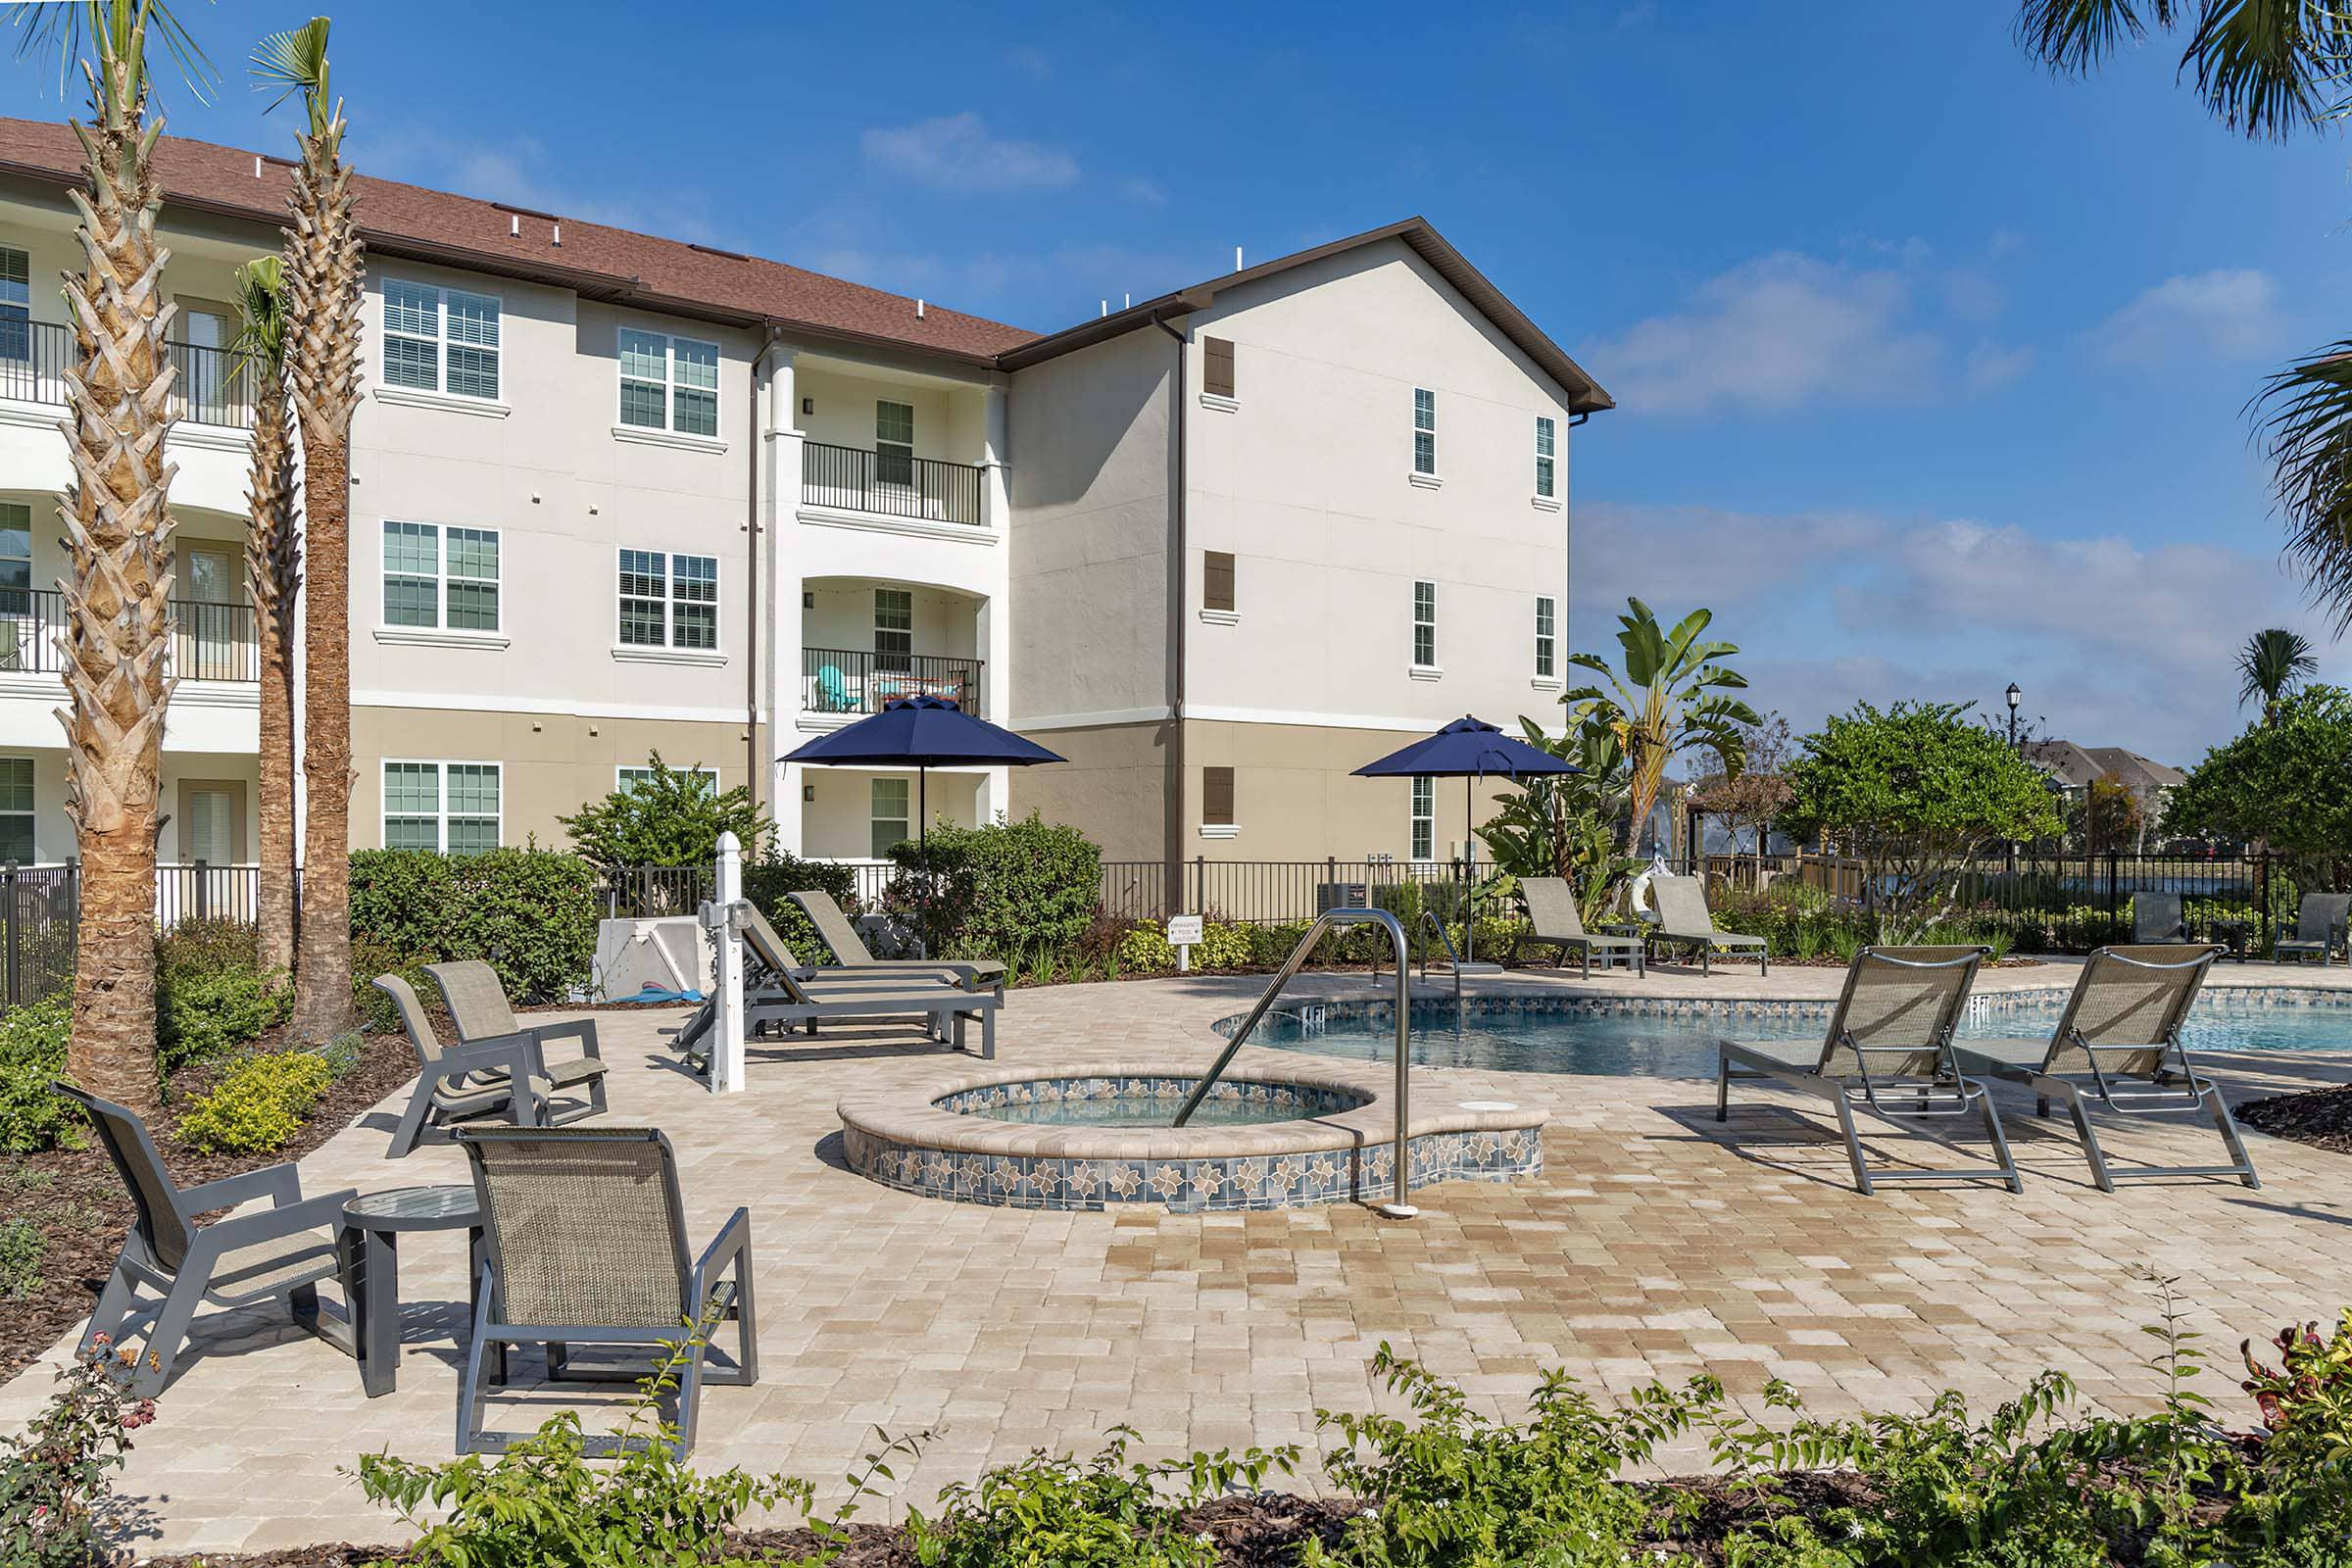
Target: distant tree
[[2282, 784], [1670, 699], [670, 817], [2272, 665], [1747, 800], [1915, 791], [2108, 818]]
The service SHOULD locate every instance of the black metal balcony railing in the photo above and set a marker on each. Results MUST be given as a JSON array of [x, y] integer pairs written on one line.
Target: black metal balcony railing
[[841, 680], [890, 483], [212, 387], [208, 641]]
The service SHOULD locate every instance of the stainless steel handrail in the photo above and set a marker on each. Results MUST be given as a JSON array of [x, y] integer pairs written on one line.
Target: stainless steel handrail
[[1346, 915]]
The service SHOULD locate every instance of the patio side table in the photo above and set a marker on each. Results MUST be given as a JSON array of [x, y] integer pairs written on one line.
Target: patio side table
[[376, 1220]]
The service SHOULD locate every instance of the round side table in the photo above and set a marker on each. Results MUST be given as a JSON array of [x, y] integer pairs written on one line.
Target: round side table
[[374, 1221]]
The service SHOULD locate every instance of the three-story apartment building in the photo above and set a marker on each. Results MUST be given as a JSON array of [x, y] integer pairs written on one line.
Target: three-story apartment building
[[613, 494]]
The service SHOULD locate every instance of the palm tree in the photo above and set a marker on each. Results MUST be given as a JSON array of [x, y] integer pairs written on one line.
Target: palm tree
[[117, 523], [2273, 664], [1669, 701], [273, 576], [2267, 70], [323, 369]]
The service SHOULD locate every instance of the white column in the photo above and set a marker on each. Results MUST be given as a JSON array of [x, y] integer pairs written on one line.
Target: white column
[[996, 618], [781, 512], [728, 1028]]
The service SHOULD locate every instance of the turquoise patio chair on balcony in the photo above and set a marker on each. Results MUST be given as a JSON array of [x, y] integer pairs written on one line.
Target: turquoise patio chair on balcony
[[832, 690]]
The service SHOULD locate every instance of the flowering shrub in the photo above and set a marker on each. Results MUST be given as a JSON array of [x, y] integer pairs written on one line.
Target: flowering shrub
[[57, 1506], [259, 1106], [2306, 1401]]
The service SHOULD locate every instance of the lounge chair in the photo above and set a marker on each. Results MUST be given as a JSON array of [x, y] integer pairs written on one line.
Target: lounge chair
[[584, 1246], [480, 1078], [1684, 921], [279, 1253], [2156, 917], [2320, 924], [2118, 1043], [477, 1005], [1556, 922], [1887, 1051], [850, 950]]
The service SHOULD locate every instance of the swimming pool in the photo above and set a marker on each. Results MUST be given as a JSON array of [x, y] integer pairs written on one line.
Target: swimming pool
[[1593, 1042]]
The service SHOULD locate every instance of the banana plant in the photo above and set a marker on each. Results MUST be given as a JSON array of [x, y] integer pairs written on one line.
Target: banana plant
[[1670, 699], [1566, 826]]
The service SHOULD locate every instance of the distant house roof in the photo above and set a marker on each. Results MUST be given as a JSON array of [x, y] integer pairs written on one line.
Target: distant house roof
[[2076, 767]]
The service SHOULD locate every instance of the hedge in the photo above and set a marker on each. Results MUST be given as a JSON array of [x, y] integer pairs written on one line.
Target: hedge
[[532, 913]]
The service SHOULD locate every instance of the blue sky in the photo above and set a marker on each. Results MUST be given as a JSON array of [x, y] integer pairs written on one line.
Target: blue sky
[[1930, 367]]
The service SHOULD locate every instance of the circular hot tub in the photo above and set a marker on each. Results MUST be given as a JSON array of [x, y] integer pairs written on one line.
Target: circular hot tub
[[1099, 1136]]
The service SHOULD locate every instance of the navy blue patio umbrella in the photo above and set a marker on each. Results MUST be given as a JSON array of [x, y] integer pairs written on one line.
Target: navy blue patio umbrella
[[922, 733], [1469, 749]]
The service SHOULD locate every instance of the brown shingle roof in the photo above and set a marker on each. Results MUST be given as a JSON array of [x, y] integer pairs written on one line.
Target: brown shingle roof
[[597, 261]]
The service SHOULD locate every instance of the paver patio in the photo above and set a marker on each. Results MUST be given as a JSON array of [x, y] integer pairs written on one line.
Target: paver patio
[[1654, 1244]]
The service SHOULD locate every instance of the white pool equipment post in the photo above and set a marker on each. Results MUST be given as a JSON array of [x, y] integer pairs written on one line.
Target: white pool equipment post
[[727, 1026]]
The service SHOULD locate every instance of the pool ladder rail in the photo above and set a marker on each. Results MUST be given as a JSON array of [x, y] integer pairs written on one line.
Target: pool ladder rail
[[1398, 1207]]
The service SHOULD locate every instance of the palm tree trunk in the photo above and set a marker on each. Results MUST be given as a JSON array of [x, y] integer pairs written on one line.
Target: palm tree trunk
[[118, 541], [273, 573], [323, 364]]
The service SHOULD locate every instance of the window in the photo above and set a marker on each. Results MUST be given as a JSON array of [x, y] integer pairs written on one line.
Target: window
[[894, 443], [1545, 453], [16, 304], [669, 601], [440, 340], [1216, 580], [625, 779], [1216, 797], [15, 809], [449, 808], [889, 816], [16, 560], [1217, 367], [1425, 623], [1425, 431], [668, 383], [440, 577], [1425, 817], [894, 629], [1546, 643]]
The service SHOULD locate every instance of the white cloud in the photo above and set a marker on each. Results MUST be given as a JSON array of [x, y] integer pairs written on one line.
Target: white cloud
[[1143, 191], [956, 152], [1990, 367], [2232, 312], [1775, 333], [514, 170]]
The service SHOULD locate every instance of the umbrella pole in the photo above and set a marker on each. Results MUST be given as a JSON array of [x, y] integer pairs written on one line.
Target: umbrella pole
[[1469, 870]]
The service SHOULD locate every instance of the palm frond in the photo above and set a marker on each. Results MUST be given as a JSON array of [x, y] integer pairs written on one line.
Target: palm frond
[[64, 25], [261, 300], [296, 62], [2074, 37], [2268, 69], [2303, 417]]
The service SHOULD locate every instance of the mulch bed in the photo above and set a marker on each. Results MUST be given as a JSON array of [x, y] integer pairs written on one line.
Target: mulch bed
[[74, 1196], [2320, 1117]]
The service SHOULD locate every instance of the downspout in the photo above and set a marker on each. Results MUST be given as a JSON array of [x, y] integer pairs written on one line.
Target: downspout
[[1173, 826], [754, 762]]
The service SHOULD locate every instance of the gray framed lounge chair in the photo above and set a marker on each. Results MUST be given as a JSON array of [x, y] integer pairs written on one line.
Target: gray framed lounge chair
[[481, 1078], [477, 1005], [2319, 927], [584, 1247], [281, 1252], [2156, 917], [1556, 922], [1684, 922], [2119, 1044], [851, 952], [1887, 1051]]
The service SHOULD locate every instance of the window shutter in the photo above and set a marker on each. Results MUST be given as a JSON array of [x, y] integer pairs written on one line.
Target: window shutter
[[1216, 580], [1217, 367], [1216, 796]]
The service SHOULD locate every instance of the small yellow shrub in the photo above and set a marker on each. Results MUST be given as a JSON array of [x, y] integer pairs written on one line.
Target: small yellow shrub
[[259, 1106]]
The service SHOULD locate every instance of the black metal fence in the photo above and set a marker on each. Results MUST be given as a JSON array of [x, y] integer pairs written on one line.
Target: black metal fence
[[33, 356], [40, 907], [212, 387], [889, 482], [208, 641], [846, 681]]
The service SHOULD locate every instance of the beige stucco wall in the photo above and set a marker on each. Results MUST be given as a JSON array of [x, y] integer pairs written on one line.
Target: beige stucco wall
[[1113, 787]]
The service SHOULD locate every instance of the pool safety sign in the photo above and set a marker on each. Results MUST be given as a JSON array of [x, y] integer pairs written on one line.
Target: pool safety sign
[[1184, 930]]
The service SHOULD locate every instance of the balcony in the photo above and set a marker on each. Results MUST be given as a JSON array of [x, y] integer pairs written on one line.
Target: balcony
[[212, 387], [210, 642], [890, 484], [846, 682]]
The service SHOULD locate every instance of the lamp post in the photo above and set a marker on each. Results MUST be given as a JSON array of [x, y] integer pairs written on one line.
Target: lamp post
[[2013, 693]]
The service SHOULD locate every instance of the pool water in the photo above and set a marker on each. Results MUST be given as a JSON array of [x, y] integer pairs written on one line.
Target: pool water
[[1139, 1111], [1683, 1045]]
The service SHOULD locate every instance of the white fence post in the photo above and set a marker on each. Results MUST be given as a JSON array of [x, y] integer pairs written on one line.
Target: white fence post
[[727, 1026]]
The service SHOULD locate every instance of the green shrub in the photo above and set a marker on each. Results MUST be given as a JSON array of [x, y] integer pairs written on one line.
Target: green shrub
[[258, 1104], [1007, 891], [530, 913], [201, 1014], [668, 818], [1144, 950], [769, 884], [34, 1116], [57, 1503], [23, 1247], [2306, 1399], [374, 1010]]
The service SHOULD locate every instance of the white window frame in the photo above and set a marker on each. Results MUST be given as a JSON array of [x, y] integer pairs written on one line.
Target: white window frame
[[1547, 469], [441, 812], [7, 511], [441, 580], [1548, 637], [905, 667], [32, 813], [1422, 842], [875, 818], [1425, 623], [1425, 431], [442, 342], [669, 383], [621, 781], [667, 599], [15, 293], [890, 449]]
